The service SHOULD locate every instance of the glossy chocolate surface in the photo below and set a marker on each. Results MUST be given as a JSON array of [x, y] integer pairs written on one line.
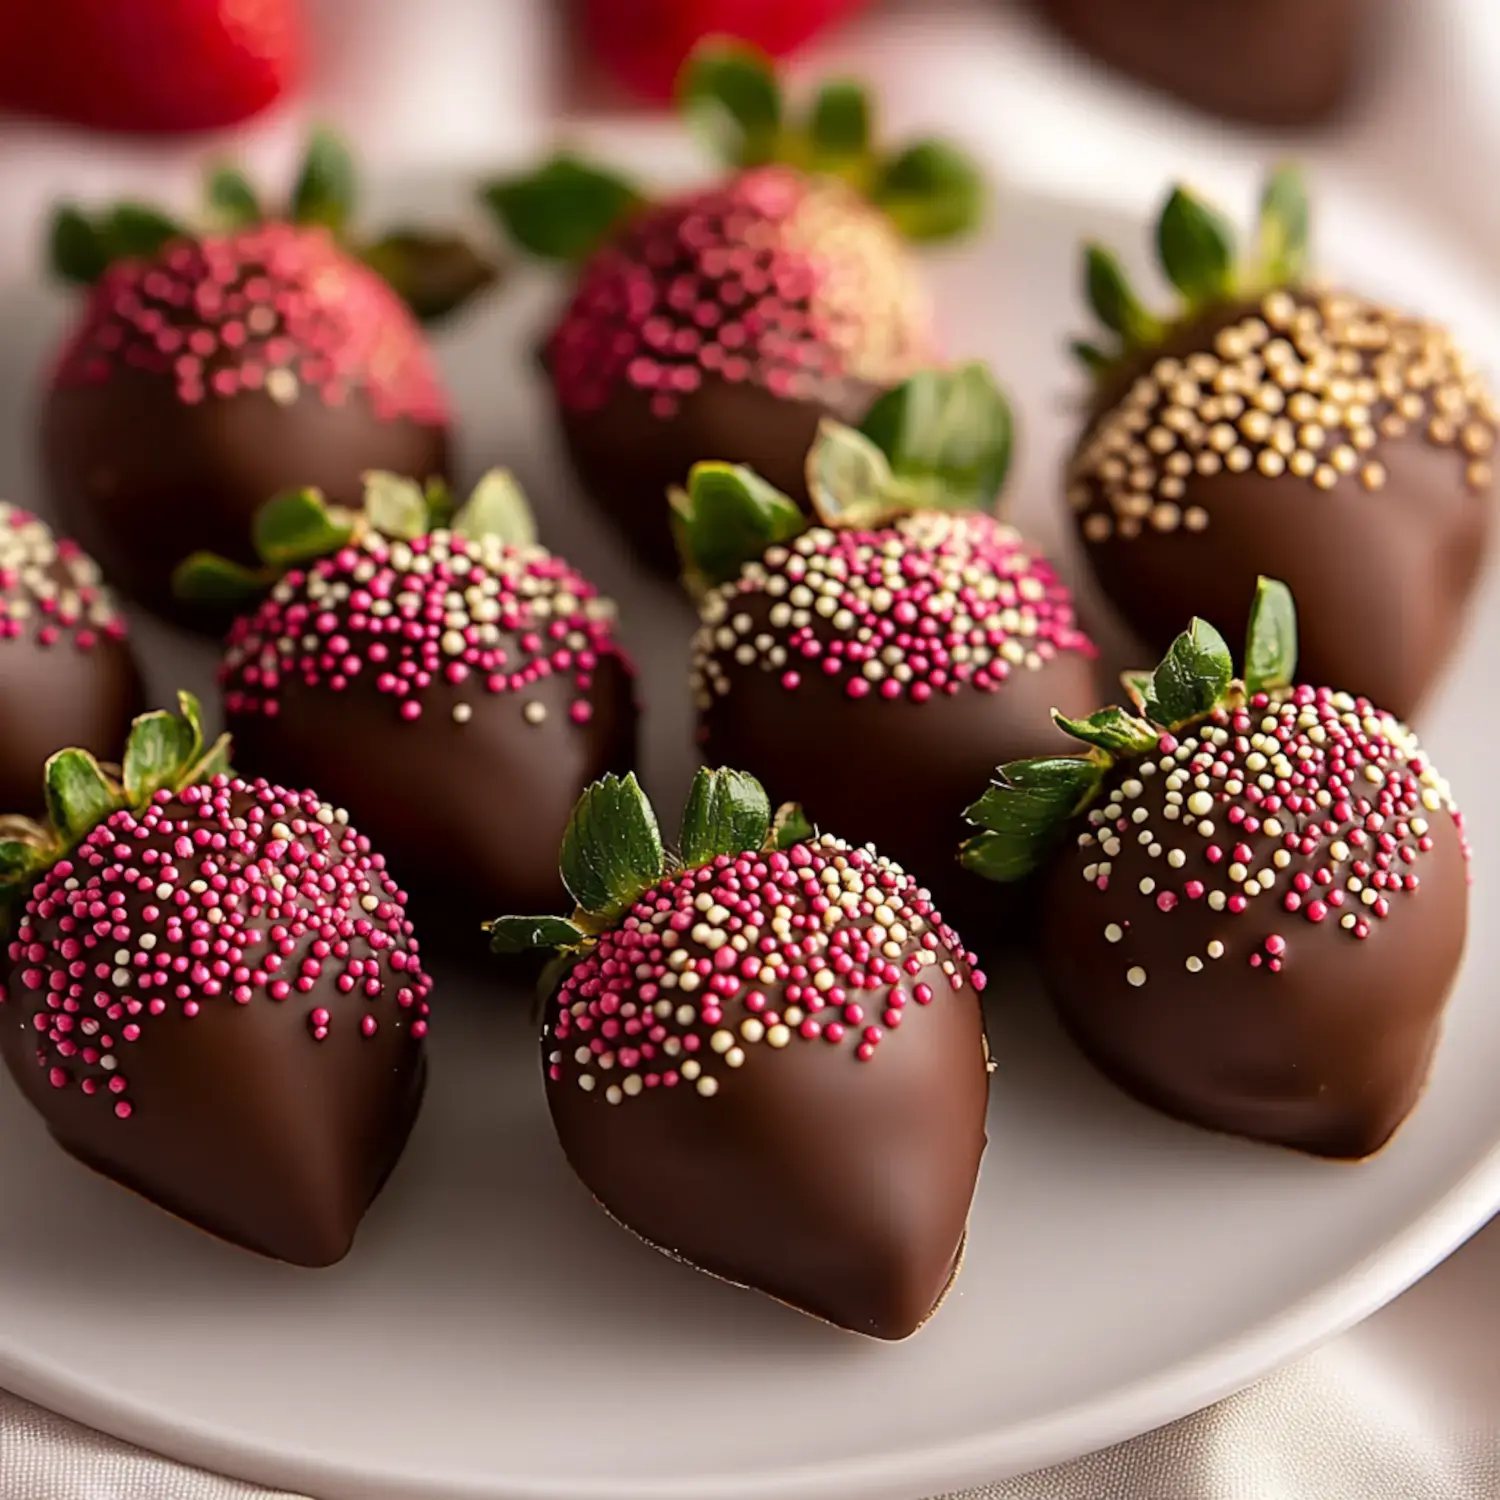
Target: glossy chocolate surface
[[895, 770], [767, 1139], [67, 673], [1270, 62], [198, 385], [1381, 542], [1275, 1020], [268, 1103], [455, 696]]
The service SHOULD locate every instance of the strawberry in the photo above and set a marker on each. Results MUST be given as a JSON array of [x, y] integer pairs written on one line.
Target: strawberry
[[212, 990], [1273, 426], [160, 67], [1259, 895], [725, 322], [646, 43], [764, 1055], [213, 366]]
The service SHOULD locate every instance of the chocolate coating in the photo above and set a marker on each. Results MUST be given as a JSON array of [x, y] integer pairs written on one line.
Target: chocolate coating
[[460, 758], [1269, 62], [894, 770], [1380, 537], [1277, 1021], [760, 1134], [67, 673], [627, 458], [723, 325], [311, 373], [264, 1102]]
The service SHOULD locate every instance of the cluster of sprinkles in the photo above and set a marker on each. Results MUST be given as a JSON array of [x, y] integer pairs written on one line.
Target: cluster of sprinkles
[[1312, 800], [1307, 385], [275, 308], [50, 588], [822, 943], [476, 615], [234, 893], [928, 605], [790, 284]]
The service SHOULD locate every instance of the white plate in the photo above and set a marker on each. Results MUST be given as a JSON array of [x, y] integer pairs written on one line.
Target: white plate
[[493, 1336]]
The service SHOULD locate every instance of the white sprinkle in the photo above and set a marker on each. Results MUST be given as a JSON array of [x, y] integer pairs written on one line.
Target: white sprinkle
[[1136, 976], [708, 1087], [1194, 964], [534, 712], [1114, 932], [1216, 949], [462, 713]]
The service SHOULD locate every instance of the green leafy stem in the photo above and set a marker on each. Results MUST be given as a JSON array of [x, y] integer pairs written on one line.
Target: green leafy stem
[[940, 441], [1028, 806], [1196, 249], [164, 752], [612, 854], [300, 526], [434, 272], [733, 102]]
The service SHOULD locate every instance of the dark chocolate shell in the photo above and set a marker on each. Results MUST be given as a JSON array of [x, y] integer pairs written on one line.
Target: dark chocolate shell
[[1260, 923], [775, 1070], [219, 1003], [1312, 437], [723, 325], [67, 673], [882, 675], [454, 695], [203, 381]]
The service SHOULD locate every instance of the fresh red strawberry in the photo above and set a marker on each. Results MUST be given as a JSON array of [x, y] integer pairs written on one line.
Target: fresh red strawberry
[[646, 43], [149, 65]]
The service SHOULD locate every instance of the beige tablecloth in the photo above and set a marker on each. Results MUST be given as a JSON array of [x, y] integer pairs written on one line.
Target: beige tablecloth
[[1405, 1407]]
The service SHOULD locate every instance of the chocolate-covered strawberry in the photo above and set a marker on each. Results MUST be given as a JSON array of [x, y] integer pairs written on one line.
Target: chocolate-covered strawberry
[[883, 656], [67, 673], [766, 1056], [1274, 427], [1272, 62], [454, 686], [212, 991], [212, 367], [1261, 897], [725, 322]]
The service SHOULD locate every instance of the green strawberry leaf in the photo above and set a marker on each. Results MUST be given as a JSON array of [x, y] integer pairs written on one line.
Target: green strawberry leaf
[[231, 199], [790, 826], [76, 251], [297, 526], [727, 812], [434, 274], [1138, 686], [612, 851], [726, 517], [1192, 679], [79, 795], [931, 191], [215, 762], [326, 189], [948, 432], [1095, 360], [524, 934], [1271, 645], [1195, 243], [565, 210], [1114, 301], [1111, 729], [161, 746], [207, 578], [1285, 232], [192, 715], [849, 479], [1025, 812], [137, 229], [728, 92], [839, 133], [497, 508], [395, 506]]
